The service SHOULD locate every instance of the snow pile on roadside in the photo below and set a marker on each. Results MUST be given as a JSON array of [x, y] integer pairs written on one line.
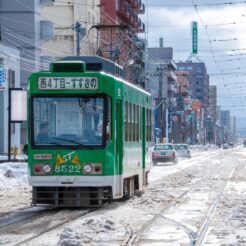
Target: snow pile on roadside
[[12, 172], [86, 231], [3, 158], [14, 188], [100, 224], [69, 237]]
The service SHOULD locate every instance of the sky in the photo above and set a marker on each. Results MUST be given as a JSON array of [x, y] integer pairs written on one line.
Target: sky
[[221, 42]]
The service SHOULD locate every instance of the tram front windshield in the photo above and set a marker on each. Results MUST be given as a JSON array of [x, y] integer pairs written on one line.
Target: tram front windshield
[[68, 120]]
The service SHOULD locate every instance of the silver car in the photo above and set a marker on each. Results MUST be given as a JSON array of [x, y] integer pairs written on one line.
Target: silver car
[[183, 150], [164, 152]]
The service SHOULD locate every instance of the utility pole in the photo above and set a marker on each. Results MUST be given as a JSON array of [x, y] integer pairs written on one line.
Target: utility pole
[[80, 32], [162, 123], [113, 52]]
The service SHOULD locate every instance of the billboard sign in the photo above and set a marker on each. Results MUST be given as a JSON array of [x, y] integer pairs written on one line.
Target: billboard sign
[[194, 37], [3, 78]]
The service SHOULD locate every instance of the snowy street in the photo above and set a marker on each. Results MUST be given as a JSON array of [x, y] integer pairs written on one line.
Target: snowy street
[[199, 201]]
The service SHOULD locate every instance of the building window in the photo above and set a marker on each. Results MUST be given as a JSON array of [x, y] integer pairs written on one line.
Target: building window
[[12, 128], [198, 69], [189, 68], [89, 17], [11, 78]]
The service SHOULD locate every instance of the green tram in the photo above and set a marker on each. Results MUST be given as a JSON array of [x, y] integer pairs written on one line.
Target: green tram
[[89, 134]]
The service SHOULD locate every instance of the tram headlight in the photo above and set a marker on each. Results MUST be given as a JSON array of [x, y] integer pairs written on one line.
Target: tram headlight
[[87, 168], [47, 168]]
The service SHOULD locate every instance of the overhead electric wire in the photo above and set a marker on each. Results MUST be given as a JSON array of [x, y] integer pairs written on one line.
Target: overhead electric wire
[[210, 44], [200, 5], [75, 3]]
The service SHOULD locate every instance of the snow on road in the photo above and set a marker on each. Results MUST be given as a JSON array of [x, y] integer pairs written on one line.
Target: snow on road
[[14, 188], [202, 196]]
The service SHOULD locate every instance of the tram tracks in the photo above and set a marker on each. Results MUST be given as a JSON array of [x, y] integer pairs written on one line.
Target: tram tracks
[[29, 225], [196, 237], [13, 217], [133, 236]]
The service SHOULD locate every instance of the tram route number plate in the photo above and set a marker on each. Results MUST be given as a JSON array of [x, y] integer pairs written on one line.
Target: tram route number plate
[[67, 83]]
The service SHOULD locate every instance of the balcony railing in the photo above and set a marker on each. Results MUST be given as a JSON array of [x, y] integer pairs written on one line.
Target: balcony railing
[[141, 28], [130, 14], [142, 9]]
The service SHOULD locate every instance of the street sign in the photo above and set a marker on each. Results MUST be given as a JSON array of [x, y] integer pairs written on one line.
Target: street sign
[[194, 37], [3, 80]]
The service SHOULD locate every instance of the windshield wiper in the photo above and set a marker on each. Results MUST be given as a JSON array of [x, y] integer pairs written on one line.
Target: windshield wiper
[[72, 141]]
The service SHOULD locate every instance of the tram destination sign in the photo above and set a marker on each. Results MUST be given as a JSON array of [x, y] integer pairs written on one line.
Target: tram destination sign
[[67, 83]]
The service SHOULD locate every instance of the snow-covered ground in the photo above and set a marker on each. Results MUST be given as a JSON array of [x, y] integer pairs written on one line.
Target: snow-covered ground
[[14, 188], [199, 197]]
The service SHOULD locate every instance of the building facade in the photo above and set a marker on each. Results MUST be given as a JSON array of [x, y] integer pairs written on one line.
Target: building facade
[[198, 79], [119, 26], [21, 25], [68, 28], [10, 73], [212, 114], [163, 83], [184, 106], [225, 119], [212, 105], [233, 128], [20, 28]]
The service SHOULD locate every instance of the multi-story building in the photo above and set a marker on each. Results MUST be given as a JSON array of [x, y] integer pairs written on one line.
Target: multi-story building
[[61, 19], [118, 28], [225, 119], [212, 114], [163, 69], [199, 90], [183, 106], [20, 28], [233, 125], [198, 79], [10, 78], [212, 105]]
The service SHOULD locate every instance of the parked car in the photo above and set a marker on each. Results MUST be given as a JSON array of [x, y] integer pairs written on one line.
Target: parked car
[[164, 152], [231, 144], [183, 150], [225, 146]]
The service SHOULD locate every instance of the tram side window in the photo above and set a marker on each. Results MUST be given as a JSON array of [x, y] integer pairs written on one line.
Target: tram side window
[[133, 122], [148, 125], [137, 123], [130, 122], [108, 120], [126, 121]]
